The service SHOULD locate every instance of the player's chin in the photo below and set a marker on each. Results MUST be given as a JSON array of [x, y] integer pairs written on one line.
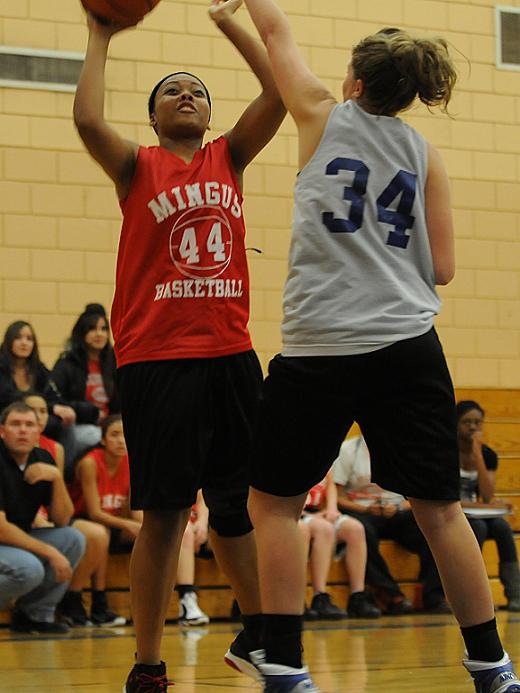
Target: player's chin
[[189, 125]]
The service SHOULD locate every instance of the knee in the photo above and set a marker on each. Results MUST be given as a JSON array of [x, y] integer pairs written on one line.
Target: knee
[[434, 516], [72, 545], [24, 576], [322, 530], [235, 525], [166, 526], [351, 532], [98, 538]]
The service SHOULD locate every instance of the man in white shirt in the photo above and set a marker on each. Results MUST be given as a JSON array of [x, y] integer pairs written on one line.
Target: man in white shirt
[[384, 515]]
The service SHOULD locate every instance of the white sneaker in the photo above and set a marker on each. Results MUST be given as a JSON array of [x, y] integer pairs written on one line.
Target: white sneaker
[[190, 613]]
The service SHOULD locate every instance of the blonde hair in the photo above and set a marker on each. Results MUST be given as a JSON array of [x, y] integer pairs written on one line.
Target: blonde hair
[[396, 69]]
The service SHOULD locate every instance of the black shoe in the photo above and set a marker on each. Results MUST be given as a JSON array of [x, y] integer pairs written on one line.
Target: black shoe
[[322, 603], [239, 658], [360, 605], [71, 610], [101, 614], [310, 614], [399, 608], [147, 679], [107, 619], [20, 623], [441, 607]]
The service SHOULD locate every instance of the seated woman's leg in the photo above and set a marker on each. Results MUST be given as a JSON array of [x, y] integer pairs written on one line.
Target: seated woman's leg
[[352, 532], [322, 543], [71, 607], [508, 570], [190, 614]]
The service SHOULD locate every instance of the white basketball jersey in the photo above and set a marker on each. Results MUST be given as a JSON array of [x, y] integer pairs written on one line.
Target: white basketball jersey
[[360, 265]]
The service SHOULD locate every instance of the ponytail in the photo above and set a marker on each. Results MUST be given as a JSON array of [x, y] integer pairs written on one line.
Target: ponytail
[[396, 69]]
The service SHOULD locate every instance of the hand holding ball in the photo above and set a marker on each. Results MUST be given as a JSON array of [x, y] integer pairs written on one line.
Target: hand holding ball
[[120, 12]]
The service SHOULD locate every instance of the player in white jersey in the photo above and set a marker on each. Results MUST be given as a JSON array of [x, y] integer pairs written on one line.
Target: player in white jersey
[[372, 237]]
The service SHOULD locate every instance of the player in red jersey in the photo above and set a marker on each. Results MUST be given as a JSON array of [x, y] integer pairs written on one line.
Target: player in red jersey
[[39, 404], [188, 378]]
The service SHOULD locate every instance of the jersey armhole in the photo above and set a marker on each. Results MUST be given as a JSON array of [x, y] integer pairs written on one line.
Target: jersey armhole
[[142, 153]]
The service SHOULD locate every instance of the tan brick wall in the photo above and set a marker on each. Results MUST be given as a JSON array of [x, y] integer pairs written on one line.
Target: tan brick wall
[[59, 218]]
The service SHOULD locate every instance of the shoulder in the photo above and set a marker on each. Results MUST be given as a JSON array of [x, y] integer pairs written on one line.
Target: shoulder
[[5, 367], [40, 455], [218, 147], [87, 464]]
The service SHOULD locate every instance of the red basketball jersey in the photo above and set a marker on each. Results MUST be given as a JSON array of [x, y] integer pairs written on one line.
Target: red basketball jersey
[[48, 444], [316, 497], [182, 284], [113, 490]]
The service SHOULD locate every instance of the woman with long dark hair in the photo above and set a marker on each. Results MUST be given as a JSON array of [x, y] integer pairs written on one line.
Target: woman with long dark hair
[[84, 375], [21, 370]]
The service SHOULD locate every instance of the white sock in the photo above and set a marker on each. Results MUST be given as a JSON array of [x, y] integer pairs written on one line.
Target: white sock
[[476, 665]]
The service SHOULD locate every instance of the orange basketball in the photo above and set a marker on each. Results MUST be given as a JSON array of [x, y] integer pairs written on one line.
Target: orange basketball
[[119, 11]]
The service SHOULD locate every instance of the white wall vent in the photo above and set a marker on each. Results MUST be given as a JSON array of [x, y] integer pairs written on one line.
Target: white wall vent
[[30, 68]]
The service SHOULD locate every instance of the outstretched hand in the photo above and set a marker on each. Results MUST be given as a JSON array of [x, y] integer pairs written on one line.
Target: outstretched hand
[[223, 9], [106, 29]]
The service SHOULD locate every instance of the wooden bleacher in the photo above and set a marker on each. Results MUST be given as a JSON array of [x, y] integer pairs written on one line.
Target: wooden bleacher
[[502, 433]]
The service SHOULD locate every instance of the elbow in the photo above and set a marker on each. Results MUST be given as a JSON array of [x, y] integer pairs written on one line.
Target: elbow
[[444, 275], [275, 33], [62, 520], [85, 121]]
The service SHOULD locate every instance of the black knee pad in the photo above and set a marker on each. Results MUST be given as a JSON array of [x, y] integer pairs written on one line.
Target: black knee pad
[[233, 525]]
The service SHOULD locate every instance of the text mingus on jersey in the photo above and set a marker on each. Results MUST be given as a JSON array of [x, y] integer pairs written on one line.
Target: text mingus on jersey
[[189, 196]]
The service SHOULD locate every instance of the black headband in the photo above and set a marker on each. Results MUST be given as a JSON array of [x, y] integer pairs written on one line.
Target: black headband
[[151, 100]]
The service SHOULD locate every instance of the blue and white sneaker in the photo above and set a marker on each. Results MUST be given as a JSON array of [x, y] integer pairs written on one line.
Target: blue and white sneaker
[[281, 679], [239, 658], [498, 678]]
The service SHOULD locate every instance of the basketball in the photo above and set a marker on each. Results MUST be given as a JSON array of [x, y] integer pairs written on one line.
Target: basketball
[[119, 11]]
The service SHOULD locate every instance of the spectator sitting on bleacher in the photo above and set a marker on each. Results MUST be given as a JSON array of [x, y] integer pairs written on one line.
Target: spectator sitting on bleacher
[[100, 491], [195, 535], [92, 566], [35, 564], [38, 403], [21, 370], [322, 526], [384, 516], [478, 465], [84, 376]]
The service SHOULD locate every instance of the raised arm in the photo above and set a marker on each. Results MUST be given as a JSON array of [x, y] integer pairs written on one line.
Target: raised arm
[[305, 96], [114, 154], [262, 118]]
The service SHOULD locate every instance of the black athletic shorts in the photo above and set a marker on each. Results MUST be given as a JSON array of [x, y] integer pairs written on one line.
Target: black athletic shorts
[[188, 424], [402, 398]]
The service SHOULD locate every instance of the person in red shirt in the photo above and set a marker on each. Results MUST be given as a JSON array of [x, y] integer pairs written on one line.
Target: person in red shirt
[[187, 375], [84, 375], [100, 493], [324, 526]]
